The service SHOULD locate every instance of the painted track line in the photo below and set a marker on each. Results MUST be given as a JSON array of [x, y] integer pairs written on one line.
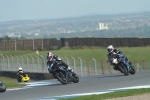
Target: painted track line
[[34, 84], [92, 93]]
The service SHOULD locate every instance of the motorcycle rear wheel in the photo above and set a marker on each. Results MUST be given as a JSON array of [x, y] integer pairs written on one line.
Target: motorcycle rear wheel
[[132, 70], [76, 78]]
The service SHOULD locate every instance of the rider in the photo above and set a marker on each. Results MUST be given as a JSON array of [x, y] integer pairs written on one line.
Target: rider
[[51, 58], [20, 72], [111, 50]]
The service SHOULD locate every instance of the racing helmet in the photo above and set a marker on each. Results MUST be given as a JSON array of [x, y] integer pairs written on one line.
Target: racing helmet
[[20, 69], [110, 48], [49, 55]]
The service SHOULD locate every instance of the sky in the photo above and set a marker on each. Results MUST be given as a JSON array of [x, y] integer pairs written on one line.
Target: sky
[[11, 10]]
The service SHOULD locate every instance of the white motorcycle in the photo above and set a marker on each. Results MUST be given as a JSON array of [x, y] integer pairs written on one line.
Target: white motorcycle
[[2, 87]]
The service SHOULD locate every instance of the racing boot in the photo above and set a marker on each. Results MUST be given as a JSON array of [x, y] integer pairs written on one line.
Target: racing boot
[[114, 68], [70, 70], [130, 62]]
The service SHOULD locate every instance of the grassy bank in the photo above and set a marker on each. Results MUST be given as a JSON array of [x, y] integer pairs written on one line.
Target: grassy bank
[[112, 95], [10, 82], [133, 53]]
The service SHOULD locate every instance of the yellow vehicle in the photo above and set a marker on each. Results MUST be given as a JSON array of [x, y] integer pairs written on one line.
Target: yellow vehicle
[[23, 77]]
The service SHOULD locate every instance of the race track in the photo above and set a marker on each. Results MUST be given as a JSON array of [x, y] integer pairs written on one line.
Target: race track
[[51, 88]]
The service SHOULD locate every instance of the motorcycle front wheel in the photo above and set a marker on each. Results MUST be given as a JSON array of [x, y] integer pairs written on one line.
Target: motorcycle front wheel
[[61, 76], [123, 69]]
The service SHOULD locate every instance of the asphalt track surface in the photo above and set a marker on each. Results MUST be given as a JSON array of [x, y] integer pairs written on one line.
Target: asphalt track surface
[[51, 88]]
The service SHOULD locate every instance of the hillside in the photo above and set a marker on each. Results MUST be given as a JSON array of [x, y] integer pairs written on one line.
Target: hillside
[[126, 25]]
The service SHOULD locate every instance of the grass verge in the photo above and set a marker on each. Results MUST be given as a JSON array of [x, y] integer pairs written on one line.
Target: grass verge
[[10, 82], [116, 94], [138, 54]]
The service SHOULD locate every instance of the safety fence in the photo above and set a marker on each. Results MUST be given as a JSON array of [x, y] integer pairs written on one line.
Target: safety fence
[[83, 67], [54, 44]]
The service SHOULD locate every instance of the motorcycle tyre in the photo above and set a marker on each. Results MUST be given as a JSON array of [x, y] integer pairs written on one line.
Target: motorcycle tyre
[[3, 89], [122, 70], [19, 78], [132, 70], [61, 80], [76, 78]]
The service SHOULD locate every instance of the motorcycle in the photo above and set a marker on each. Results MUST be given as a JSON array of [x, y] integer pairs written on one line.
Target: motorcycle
[[2, 87], [60, 72], [119, 62], [23, 78]]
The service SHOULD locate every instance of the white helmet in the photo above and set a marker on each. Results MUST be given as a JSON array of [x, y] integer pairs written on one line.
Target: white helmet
[[110, 48], [20, 68]]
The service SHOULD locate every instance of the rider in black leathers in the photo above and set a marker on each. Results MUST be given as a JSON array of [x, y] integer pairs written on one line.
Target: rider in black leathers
[[111, 50], [19, 72], [51, 58]]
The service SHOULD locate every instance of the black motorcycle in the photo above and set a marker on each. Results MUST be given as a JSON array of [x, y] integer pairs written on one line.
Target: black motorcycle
[[119, 62], [2, 87], [60, 72]]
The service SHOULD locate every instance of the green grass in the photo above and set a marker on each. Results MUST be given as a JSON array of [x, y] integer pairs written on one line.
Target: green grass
[[10, 82], [133, 53], [111, 95]]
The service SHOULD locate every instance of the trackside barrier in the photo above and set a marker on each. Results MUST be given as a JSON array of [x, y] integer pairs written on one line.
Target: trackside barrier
[[33, 76], [83, 67]]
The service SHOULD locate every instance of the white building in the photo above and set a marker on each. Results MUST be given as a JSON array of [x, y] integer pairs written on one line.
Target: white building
[[103, 26]]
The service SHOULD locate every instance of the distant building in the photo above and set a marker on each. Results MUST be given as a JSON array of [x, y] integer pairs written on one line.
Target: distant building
[[103, 26], [11, 35]]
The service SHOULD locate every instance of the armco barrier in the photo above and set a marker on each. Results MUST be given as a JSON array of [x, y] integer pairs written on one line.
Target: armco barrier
[[30, 44], [104, 42], [54, 44], [33, 76]]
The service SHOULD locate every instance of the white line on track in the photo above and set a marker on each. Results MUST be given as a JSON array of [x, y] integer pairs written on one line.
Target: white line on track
[[41, 83], [100, 92], [33, 84]]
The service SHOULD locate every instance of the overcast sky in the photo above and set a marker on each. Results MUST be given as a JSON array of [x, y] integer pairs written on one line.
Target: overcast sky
[[52, 9]]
